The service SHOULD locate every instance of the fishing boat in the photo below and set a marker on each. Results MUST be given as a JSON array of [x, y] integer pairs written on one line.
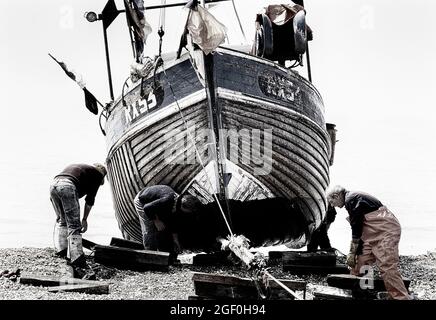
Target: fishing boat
[[235, 126]]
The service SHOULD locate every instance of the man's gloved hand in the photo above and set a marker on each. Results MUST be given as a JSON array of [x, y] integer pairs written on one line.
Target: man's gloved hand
[[351, 257], [84, 226]]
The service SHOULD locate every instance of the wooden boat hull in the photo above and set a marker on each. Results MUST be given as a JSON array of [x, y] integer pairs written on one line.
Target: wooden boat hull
[[256, 103]]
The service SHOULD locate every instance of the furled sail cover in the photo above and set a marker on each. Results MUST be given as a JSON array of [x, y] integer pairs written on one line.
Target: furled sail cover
[[206, 31]]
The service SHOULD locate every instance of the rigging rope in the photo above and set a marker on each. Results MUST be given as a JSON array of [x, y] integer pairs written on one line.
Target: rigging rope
[[239, 20]]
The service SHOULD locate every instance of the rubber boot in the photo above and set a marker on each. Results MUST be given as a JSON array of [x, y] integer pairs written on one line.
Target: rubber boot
[[75, 251], [60, 240]]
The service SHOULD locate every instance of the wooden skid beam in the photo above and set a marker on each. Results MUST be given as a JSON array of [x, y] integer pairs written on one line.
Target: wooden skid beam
[[347, 281], [82, 288], [198, 298], [222, 286], [310, 269], [44, 281], [319, 258], [65, 285], [220, 257], [125, 258], [88, 244], [275, 255], [331, 293], [123, 243]]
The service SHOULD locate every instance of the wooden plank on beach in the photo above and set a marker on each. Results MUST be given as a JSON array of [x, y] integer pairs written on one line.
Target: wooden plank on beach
[[98, 288], [88, 244], [123, 243], [39, 281], [331, 293], [198, 298], [223, 286], [348, 281], [318, 258], [46, 281], [320, 270], [276, 255], [65, 284], [217, 258], [125, 258]]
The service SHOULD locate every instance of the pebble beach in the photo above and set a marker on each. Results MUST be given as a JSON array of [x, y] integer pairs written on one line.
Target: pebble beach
[[176, 284]]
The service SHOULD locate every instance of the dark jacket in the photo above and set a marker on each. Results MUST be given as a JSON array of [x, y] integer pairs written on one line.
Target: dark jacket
[[358, 204], [86, 178], [159, 200]]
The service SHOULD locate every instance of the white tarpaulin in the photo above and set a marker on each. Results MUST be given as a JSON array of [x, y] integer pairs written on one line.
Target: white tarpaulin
[[282, 13], [205, 30]]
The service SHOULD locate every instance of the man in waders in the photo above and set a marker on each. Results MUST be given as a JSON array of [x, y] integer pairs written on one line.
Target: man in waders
[[73, 183], [375, 237], [160, 209]]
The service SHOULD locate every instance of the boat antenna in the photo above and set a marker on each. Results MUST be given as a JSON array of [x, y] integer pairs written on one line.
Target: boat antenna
[[239, 20], [309, 69], [107, 16], [161, 31]]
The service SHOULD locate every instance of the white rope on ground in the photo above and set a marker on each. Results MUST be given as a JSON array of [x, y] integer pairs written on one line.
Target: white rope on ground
[[282, 285], [197, 152]]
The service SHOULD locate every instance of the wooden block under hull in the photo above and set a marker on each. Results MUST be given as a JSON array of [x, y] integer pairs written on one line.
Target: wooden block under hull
[[221, 286], [203, 259], [88, 244], [275, 255], [347, 281], [318, 258], [123, 243], [125, 258], [320, 270], [331, 293]]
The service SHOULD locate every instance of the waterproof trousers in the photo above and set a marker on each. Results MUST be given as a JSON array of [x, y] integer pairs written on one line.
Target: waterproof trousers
[[381, 236]]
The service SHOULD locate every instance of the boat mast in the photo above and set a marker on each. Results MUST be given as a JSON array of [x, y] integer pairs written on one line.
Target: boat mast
[[215, 121], [108, 64]]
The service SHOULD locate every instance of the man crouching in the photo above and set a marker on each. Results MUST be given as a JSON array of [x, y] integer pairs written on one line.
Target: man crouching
[[160, 210]]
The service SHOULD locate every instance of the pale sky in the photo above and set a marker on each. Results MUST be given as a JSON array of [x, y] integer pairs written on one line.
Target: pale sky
[[373, 62]]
